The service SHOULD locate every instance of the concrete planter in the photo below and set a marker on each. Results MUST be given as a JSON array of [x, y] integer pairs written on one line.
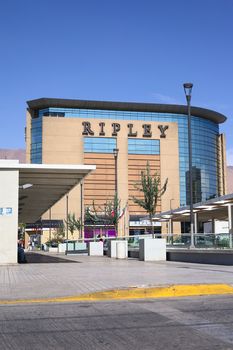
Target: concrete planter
[[112, 248], [95, 249], [61, 247], [122, 249], [53, 250], [152, 249]]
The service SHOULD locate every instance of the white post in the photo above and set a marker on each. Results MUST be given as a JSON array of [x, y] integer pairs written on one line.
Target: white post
[[230, 222], [213, 226], [195, 223], [170, 228]]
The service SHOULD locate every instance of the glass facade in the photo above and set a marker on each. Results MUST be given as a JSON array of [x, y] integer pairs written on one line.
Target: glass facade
[[36, 140], [204, 143], [99, 144], [142, 146]]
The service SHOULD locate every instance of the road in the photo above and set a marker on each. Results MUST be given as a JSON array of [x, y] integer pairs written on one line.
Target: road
[[177, 323]]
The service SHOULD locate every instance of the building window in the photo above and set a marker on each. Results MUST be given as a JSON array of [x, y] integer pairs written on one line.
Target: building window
[[99, 144], [141, 146]]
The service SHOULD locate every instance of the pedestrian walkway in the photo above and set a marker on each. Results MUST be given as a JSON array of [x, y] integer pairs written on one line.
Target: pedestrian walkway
[[84, 274]]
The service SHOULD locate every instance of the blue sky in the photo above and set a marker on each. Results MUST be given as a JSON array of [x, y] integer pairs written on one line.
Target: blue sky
[[119, 50]]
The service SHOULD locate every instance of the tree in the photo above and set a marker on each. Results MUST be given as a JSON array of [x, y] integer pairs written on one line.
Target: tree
[[107, 215], [113, 212], [149, 185], [73, 223], [59, 234]]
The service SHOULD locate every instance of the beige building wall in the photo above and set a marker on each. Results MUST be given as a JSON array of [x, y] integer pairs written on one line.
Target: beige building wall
[[63, 144]]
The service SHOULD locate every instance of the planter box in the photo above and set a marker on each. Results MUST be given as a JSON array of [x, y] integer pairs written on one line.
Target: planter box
[[122, 250], [53, 250], [95, 249], [152, 249], [112, 248], [61, 247]]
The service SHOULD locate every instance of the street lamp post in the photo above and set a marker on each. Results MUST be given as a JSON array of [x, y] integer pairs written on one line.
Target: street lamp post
[[188, 91], [81, 212], [115, 153], [170, 222], [67, 223]]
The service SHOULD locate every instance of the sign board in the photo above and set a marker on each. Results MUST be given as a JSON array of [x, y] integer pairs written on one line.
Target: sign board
[[8, 211]]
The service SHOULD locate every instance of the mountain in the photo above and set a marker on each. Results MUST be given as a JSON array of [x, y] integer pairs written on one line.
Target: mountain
[[19, 154]]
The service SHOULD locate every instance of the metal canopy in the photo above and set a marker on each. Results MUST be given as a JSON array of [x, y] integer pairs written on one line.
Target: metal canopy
[[50, 182], [216, 208]]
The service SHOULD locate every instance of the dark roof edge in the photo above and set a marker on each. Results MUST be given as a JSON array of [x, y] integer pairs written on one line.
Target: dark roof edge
[[43, 103]]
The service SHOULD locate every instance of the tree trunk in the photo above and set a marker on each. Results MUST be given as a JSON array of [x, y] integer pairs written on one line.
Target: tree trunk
[[151, 226]]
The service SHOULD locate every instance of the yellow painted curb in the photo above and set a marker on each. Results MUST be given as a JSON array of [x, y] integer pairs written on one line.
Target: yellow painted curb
[[136, 293]]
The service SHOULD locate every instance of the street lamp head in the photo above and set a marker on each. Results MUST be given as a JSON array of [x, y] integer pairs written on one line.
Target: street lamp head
[[115, 152], [25, 186], [188, 90]]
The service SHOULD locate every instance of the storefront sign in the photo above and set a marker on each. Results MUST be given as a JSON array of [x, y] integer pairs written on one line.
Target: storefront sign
[[116, 127]]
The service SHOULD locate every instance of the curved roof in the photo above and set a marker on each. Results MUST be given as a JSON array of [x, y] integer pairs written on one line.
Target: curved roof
[[43, 103]]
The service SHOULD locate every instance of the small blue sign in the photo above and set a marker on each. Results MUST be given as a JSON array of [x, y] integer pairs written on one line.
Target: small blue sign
[[8, 211]]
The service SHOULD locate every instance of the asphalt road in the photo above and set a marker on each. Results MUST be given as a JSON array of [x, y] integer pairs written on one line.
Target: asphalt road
[[187, 323]]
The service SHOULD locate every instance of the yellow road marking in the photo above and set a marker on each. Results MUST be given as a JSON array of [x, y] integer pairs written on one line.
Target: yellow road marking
[[135, 293]]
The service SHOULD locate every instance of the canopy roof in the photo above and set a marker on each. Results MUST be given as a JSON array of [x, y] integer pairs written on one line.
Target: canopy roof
[[50, 182], [216, 208], [43, 103]]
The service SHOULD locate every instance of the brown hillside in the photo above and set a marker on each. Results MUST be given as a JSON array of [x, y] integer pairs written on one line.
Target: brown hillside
[[19, 154]]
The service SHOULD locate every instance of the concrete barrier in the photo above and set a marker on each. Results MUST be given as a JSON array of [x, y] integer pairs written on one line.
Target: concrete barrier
[[95, 249], [121, 249], [53, 250], [152, 249], [61, 247]]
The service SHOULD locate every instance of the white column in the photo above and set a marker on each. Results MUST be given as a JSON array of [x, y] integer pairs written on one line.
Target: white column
[[170, 231], [213, 226], [9, 188], [170, 226], [230, 222], [195, 223]]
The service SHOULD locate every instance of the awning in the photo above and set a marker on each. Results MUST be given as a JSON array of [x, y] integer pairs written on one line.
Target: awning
[[216, 208], [50, 182]]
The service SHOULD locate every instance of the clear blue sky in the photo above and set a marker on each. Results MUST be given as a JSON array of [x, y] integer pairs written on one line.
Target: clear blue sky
[[122, 50]]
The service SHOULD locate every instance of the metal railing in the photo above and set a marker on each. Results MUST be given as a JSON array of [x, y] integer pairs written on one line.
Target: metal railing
[[201, 241]]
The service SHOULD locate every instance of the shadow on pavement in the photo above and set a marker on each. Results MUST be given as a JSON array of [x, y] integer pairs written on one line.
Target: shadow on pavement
[[36, 258]]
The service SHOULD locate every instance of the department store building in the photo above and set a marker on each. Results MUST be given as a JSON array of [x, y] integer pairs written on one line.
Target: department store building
[[63, 131]]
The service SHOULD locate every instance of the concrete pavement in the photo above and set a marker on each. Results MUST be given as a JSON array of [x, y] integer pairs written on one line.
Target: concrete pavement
[[53, 276], [201, 323]]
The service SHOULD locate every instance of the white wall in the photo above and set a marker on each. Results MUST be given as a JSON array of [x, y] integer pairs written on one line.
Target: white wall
[[220, 227], [9, 183]]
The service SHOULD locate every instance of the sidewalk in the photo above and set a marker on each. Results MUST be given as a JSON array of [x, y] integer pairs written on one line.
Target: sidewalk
[[80, 274]]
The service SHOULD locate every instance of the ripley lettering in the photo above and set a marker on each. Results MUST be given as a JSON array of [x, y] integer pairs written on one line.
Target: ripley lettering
[[116, 128]]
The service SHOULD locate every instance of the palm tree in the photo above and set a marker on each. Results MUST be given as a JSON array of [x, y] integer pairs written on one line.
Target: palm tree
[[149, 185]]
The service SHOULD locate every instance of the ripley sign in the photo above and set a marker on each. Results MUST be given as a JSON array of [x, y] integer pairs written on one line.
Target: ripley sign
[[116, 127]]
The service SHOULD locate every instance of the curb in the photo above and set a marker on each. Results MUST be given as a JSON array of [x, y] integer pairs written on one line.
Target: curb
[[135, 293]]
